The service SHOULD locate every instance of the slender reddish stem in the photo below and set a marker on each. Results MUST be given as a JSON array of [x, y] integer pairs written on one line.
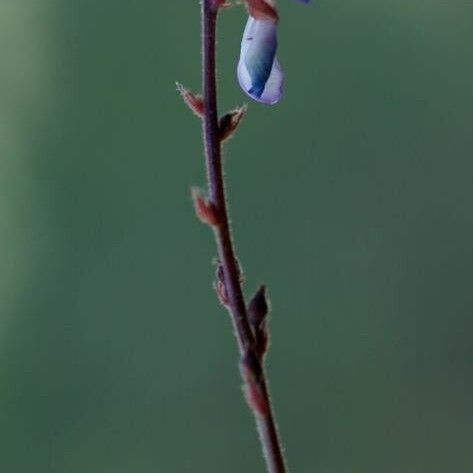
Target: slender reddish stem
[[213, 152], [270, 442]]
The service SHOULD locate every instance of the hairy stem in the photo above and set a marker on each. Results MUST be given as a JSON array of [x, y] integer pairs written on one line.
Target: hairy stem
[[231, 272]]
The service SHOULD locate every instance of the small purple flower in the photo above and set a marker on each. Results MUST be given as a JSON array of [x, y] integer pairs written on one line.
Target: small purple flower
[[259, 72]]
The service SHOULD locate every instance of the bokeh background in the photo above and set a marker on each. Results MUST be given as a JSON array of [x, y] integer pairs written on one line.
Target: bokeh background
[[352, 200]]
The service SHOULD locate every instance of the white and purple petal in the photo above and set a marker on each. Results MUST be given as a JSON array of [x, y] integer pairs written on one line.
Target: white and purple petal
[[259, 71]]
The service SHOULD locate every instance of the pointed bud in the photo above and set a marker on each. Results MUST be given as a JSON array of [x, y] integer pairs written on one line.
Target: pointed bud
[[258, 307], [205, 210], [219, 285], [258, 310], [230, 121], [194, 102]]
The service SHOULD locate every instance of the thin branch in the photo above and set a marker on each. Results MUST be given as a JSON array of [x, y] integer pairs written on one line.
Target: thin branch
[[213, 153], [252, 370]]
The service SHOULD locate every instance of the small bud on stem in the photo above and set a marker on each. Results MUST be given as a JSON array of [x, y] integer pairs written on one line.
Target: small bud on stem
[[230, 121], [219, 285], [194, 102], [205, 210], [258, 310], [258, 307]]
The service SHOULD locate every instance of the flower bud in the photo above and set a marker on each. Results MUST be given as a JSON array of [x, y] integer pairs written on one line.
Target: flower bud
[[259, 71], [193, 101], [258, 307], [258, 310], [219, 285], [205, 210], [230, 121]]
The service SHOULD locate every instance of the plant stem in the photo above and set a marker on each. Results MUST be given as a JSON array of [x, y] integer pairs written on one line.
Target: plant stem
[[213, 152], [231, 272]]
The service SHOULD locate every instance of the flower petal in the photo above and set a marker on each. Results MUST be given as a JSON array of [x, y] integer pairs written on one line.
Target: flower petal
[[259, 72]]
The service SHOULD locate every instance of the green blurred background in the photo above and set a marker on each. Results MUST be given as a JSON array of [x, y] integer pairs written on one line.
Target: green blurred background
[[351, 199]]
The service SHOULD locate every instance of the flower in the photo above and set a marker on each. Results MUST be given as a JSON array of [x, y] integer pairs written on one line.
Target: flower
[[259, 71]]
